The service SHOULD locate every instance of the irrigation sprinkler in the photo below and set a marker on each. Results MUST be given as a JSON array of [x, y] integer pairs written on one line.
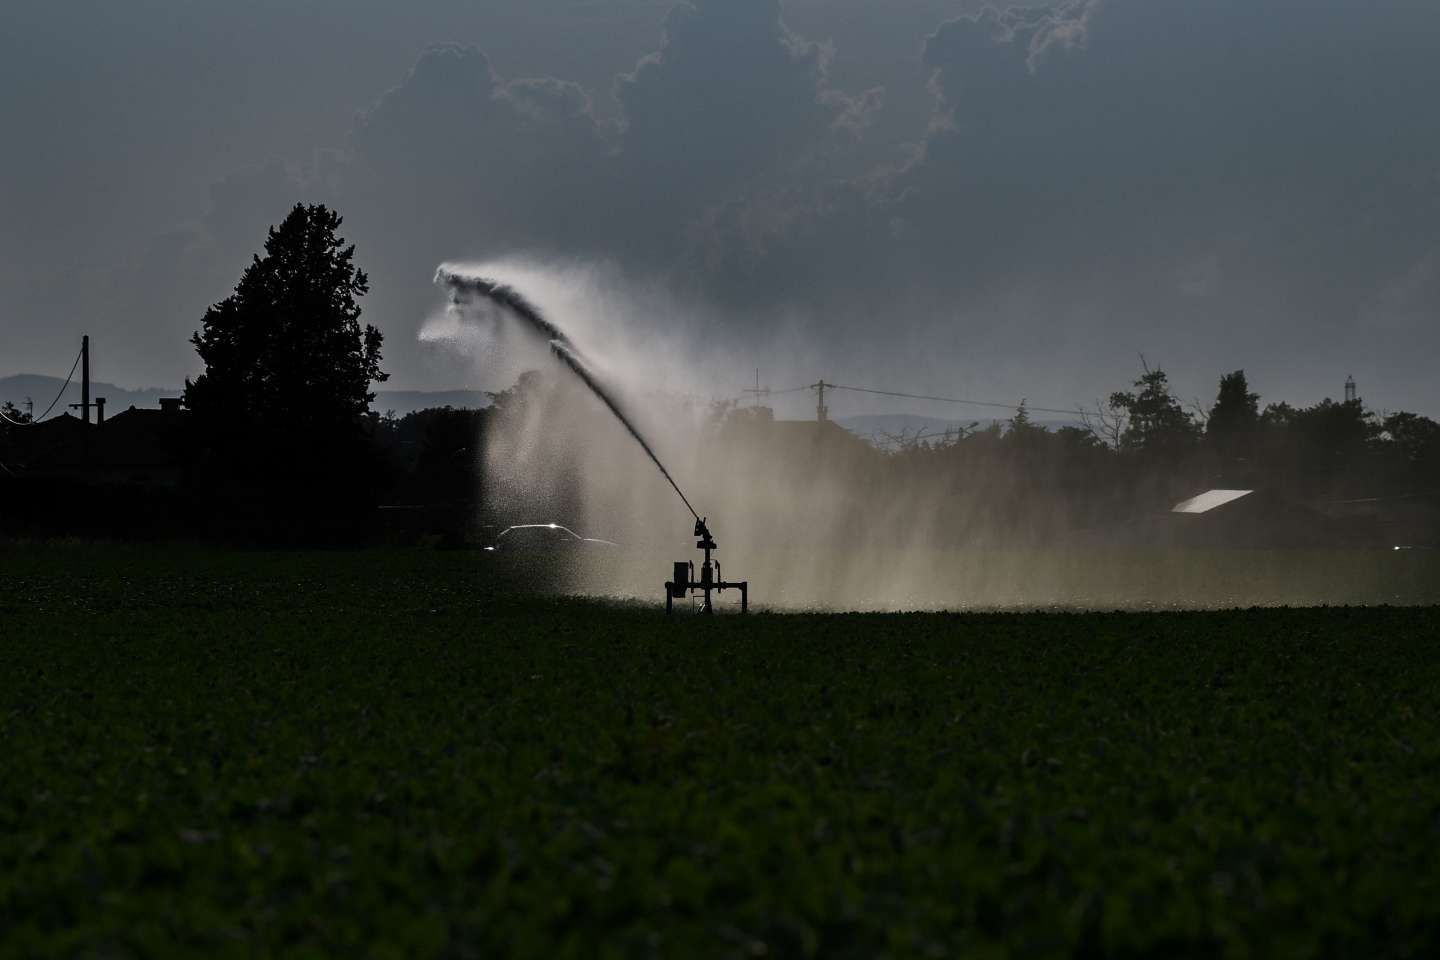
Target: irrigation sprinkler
[[463, 287], [684, 582]]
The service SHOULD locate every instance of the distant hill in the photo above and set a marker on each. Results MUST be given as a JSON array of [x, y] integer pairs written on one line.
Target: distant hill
[[883, 424], [408, 401], [41, 390]]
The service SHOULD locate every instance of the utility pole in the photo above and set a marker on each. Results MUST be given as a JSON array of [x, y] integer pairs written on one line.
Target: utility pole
[[84, 403], [85, 376], [822, 412], [758, 392]]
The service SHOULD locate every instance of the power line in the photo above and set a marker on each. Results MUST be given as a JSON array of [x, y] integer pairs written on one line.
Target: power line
[[973, 403], [63, 388], [924, 396]]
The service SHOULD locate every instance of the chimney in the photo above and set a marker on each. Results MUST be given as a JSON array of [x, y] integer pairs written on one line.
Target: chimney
[[99, 410]]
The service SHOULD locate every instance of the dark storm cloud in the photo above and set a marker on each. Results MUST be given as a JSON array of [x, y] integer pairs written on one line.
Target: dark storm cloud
[[466, 154], [457, 162], [1217, 183], [1287, 148], [731, 100], [731, 103], [117, 118], [730, 121], [162, 279], [1226, 182]]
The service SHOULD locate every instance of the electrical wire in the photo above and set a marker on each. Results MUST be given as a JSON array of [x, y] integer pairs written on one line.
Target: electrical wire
[[63, 387], [70, 376], [920, 396], [973, 403], [767, 392], [1422, 495]]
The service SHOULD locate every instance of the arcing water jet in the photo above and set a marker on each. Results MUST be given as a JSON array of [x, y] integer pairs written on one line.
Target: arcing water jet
[[464, 288], [511, 300]]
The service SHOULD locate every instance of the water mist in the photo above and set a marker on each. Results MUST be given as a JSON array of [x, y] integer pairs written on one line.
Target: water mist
[[507, 298]]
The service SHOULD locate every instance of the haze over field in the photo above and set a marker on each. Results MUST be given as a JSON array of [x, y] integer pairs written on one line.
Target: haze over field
[[917, 194], [1004, 517]]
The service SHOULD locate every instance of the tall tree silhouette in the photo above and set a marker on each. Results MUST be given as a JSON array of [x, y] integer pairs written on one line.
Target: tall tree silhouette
[[1157, 425], [287, 345], [281, 407], [1235, 417], [1417, 440]]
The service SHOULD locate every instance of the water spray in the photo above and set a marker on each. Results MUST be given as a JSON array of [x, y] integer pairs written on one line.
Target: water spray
[[463, 288]]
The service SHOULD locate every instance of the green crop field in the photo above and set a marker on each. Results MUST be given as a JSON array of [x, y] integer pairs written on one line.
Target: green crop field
[[397, 754]]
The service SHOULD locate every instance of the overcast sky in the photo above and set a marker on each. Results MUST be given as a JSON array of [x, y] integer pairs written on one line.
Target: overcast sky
[[917, 194]]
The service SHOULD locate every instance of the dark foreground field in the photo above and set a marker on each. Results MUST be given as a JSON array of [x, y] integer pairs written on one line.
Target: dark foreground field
[[376, 754]]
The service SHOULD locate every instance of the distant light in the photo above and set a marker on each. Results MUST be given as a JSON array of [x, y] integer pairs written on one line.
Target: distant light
[[1209, 500]]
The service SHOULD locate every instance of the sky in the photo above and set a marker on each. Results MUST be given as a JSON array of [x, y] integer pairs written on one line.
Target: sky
[[929, 196]]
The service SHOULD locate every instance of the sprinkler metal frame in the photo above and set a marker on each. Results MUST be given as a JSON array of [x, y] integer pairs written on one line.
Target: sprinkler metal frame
[[680, 587]]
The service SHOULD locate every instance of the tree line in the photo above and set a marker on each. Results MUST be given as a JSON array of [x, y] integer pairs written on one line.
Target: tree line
[[280, 445]]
